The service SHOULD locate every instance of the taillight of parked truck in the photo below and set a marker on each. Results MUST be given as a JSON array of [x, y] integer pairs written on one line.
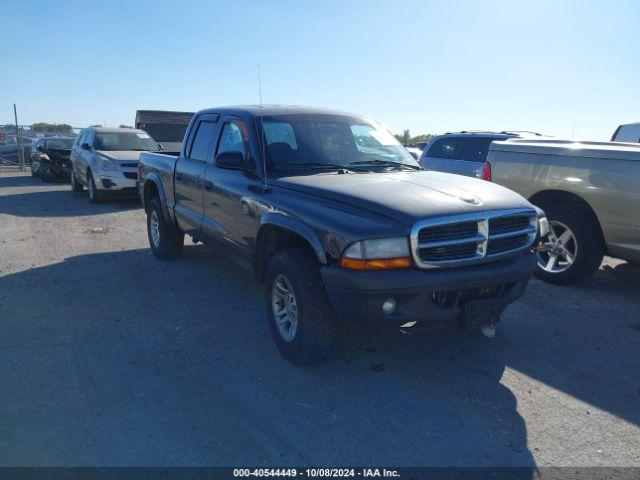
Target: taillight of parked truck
[[486, 172]]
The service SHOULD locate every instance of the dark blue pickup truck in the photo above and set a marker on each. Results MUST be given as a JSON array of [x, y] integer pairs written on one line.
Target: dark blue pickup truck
[[339, 223]]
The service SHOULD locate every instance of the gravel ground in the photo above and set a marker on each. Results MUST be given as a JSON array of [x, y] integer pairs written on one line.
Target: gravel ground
[[110, 357]]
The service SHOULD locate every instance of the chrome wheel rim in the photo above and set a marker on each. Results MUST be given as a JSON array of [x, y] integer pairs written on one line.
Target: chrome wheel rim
[[154, 226], [559, 251], [285, 308]]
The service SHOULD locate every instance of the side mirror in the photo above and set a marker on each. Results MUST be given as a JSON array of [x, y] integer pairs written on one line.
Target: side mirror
[[231, 160], [85, 146]]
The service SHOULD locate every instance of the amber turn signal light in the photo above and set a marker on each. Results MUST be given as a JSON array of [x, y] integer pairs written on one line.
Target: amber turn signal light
[[375, 264]]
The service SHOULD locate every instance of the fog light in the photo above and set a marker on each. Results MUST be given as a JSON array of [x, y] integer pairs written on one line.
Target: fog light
[[389, 306]]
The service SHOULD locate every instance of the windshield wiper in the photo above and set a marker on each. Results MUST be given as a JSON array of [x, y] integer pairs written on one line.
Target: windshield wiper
[[385, 163], [325, 166]]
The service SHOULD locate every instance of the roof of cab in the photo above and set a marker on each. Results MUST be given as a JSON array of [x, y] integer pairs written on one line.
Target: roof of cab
[[268, 110], [613, 150]]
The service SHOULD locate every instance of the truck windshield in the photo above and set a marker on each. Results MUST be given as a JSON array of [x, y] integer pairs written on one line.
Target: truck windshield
[[120, 141], [314, 141]]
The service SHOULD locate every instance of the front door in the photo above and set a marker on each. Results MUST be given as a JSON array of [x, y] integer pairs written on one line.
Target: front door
[[231, 197]]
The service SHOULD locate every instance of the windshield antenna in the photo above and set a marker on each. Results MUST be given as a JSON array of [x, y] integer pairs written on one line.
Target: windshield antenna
[[259, 84], [265, 187]]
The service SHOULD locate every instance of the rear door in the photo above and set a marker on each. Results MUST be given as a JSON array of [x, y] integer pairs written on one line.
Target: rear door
[[190, 170]]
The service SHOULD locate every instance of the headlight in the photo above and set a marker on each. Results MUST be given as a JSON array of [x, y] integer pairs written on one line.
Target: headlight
[[106, 164], [377, 254]]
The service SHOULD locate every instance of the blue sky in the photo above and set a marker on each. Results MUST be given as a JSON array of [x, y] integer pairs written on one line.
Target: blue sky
[[429, 66]]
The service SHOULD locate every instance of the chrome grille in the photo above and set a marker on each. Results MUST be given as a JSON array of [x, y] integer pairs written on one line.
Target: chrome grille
[[473, 238], [451, 231], [508, 224]]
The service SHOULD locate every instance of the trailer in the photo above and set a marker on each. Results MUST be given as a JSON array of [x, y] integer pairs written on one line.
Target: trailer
[[165, 127]]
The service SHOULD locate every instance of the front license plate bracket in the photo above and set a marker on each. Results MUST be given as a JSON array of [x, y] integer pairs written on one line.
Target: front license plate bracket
[[479, 313]]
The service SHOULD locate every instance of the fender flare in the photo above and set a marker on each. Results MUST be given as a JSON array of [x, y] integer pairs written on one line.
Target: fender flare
[[153, 178], [293, 225]]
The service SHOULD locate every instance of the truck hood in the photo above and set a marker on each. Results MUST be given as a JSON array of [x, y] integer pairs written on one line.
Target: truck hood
[[407, 197], [119, 156]]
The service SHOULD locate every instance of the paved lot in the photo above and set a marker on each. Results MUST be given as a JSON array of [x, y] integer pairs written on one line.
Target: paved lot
[[109, 357]]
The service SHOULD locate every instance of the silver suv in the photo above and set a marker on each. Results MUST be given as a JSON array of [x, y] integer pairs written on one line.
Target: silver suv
[[105, 160], [465, 152]]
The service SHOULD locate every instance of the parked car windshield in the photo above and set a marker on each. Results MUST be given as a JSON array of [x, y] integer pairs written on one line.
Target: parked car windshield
[[120, 141], [61, 143], [312, 141]]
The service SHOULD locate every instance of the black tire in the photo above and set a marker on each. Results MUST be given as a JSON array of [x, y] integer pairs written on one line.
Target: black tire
[[94, 194], [315, 335], [588, 236], [34, 172], [45, 173], [170, 241], [75, 186]]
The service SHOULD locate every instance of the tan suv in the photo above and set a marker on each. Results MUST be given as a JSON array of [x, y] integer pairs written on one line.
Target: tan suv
[[590, 192]]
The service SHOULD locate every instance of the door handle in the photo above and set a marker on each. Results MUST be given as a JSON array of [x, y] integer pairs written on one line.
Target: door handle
[[208, 186], [178, 176]]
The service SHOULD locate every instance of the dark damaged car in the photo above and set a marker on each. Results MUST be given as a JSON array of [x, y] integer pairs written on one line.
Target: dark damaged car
[[340, 224]]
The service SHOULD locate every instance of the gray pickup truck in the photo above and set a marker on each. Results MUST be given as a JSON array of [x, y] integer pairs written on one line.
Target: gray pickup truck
[[590, 192], [339, 223]]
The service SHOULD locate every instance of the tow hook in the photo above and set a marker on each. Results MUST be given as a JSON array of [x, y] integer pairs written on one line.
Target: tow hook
[[540, 247]]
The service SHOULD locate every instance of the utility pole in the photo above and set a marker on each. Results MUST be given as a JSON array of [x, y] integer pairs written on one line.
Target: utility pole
[[18, 139]]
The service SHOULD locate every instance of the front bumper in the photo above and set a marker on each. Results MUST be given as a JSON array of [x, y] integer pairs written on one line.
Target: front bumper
[[122, 182], [358, 296]]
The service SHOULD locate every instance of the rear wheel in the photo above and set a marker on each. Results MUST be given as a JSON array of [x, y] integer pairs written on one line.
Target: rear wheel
[[94, 195], [75, 186], [574, 248], [302, 322], [166, 240]]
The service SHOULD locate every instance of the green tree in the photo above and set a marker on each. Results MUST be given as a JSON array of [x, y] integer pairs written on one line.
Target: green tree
[[51, 127], [406, 137]]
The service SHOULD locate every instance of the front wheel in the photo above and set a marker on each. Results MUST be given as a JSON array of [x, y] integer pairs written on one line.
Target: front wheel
[[574, 248], [94, 195], [166, 240], [302, 322]]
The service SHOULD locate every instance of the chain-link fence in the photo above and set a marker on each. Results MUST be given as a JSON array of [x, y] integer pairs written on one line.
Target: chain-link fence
[[15, 149]]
